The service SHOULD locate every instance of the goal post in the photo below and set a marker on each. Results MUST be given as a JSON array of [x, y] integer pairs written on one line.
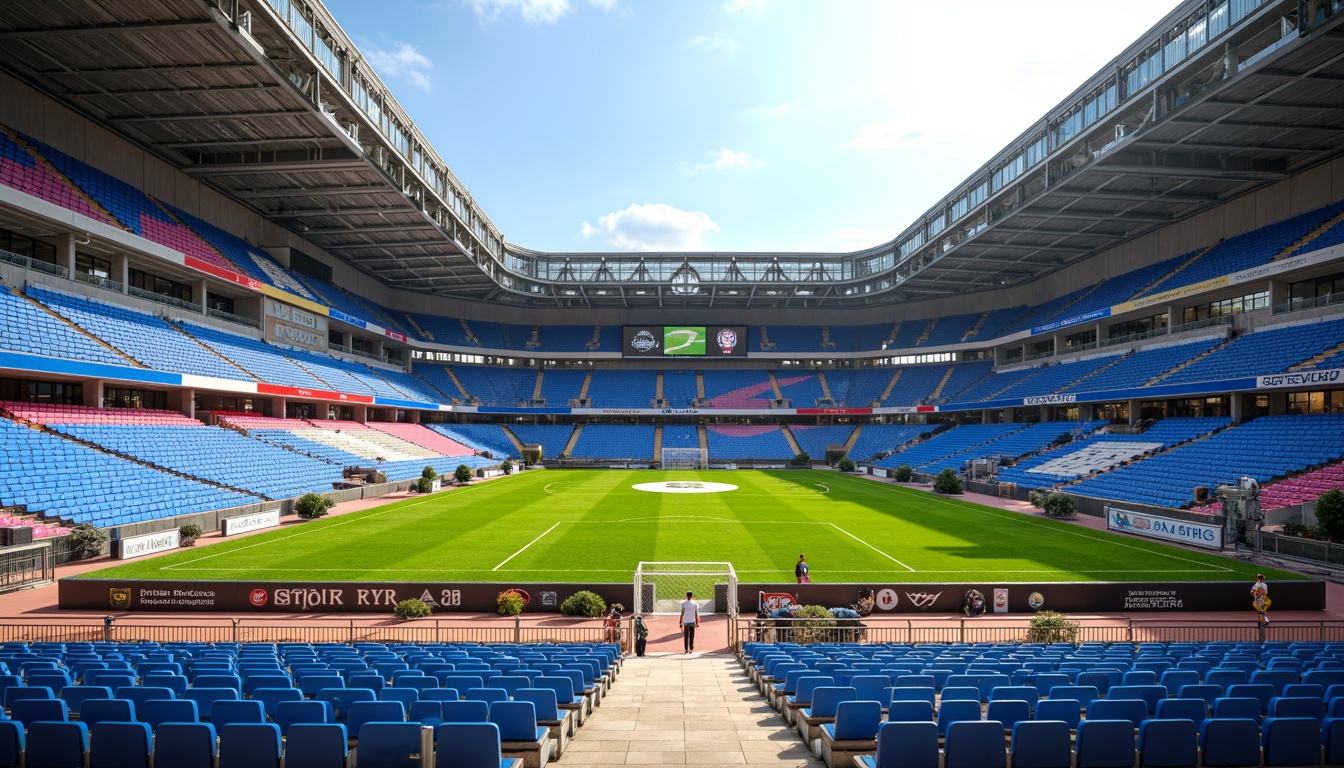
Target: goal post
[[685, 458], [660, 587]]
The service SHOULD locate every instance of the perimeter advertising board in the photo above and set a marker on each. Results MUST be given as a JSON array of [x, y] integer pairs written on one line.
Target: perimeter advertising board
[[1164, 528], [693, 341], [290, 325]]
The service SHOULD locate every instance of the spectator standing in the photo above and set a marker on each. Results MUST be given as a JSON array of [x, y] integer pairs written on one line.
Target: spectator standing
[[1260, 598], [800, 570], [690, 619]]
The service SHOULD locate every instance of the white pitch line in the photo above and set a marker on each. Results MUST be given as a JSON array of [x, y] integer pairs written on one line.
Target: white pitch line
[[824, 488], [870, 546], [1064, 529], [525, 546]]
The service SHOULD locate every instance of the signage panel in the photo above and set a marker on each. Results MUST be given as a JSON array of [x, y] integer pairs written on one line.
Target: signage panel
[[695, 341], [1164, 528], [231, 526], [139, 546]]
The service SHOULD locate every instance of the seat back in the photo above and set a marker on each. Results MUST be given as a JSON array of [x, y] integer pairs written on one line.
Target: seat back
[[1285, 740], [12, 745], [1204, 691], [1084, 694], [543, 699], [1068, 711], [120, 745], [374, 711], [1150, 694], [1027, 693], [97, 710], [249, 745], [474, 744], [341, 699], [910, 712], [291, 713], [1041, 744], [316, 745], [960, 693], [1194, 710], [192, 745], [158, 711], [1133, 710], [1297, 706], [270, 697], [465, 711], [871, 687], [857, 719], [974, 744], [907, 745], [1230, 741], [1105, 744], [28, 711], [826, 698], [1237, 706], [516, 720], [393, 744], [205, 698], [56, 744], [956, 711], [1171, 743], [1008, 711]]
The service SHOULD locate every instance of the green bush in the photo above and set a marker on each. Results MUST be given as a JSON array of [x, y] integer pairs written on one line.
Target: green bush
[[424, 485], [1330, 515], [1037, 496], [1052, 627], [1059, 505], [814, 624], [510, 603], [311, 506], [414, 608], [506, 467], [1299, 530], [86, 540], [462, 474], [429, 473], [903, 473], [801, 459], [583, 603], [188, 534], [947, 482], [845, 465]]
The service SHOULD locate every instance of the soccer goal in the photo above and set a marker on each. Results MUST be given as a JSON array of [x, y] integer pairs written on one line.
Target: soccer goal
[[661, 586], [685, 458]]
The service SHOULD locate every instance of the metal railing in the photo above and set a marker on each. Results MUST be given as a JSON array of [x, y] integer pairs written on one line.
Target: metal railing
[[34, 264], [263, 630], [232, 318], [26, 566], [1014, 630], [1306, 549], [1297, 305]]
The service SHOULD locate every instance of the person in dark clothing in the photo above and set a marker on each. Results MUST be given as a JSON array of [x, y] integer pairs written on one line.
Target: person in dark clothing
[[800, 570]]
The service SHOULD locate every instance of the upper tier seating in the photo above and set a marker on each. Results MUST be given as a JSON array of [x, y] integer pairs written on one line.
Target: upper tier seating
[[737, 389], [747, 442], [19, 170], [951, 329], [1332, 236], [256, 357], [444, 330], [481, 437], [53, 413], [1249, 249], [615, 441], [803, 389], [998, 321], [551, 437], [135, 210], [1263, 449], [1273, 350], [30, 330], [1061, 376], [679, 388], [149, 339], [814, 439], [909, 333], [412, 385], [988, 388], [622, 389], [1060, 307], [96, 487], [681, 436], [559, 386], [253, 261], [858, 388], [789, 338], [424, 437], [1138, 368], [880, 438], [1029, 440], [947, 443], [496, 386], [963, 376], [1103, 451], [401, 451]]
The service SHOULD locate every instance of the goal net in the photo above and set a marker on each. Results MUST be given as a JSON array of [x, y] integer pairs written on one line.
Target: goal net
[[685, 458], [661, 586]]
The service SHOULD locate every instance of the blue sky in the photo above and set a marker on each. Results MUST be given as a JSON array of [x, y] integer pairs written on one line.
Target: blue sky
[[727, 125]]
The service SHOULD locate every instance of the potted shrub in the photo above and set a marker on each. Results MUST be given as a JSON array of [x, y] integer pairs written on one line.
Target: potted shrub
[[188, 534], [311, 506], [845, 465], [1052, 627], [510, 603], [414, 608], [86, 540], [506, 466], [947, 483], [1059, 505], [462, 474], [584, 603], [903, 474]]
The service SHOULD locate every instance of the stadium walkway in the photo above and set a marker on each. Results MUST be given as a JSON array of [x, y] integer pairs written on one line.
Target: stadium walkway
[[677, 709]]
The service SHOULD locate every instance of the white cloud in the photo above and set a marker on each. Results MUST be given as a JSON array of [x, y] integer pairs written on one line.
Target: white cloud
[[533, 11], [403, 62], [778, 110], [723, 160], [885, 135], [719, 41], [654, 227]]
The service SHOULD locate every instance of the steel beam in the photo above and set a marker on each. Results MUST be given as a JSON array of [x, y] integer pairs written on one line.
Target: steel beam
[[107, 29]]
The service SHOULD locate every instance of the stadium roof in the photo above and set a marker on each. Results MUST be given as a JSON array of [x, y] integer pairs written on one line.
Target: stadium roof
[[270, 102]]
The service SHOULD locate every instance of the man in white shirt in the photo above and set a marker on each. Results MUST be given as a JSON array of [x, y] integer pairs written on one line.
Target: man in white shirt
[[690, 619]]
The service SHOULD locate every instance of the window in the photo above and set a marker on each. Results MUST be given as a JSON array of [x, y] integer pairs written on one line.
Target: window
[[92, 265], [160, 285], [1233, 306], [1143, 325], [135, 398]]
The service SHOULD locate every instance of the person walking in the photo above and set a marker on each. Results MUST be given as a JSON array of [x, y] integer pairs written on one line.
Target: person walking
[[641, 635], [800, 570], [690, 619], [1260, 598]]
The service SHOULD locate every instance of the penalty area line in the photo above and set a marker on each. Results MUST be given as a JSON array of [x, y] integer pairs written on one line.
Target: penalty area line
[[870, 546], [525, 546]]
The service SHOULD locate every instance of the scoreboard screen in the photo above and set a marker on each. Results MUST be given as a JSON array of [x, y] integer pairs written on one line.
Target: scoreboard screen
[[684, 341]]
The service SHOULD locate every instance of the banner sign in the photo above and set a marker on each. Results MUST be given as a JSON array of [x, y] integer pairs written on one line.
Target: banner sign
[[231, 526], [1165, 528], [139, 546], [1299, 379], [1066, 597], [249, 597], [336, 314], [315, 394], [1075, 320]]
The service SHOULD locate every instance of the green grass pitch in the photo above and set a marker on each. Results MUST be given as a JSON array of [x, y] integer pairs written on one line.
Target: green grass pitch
[[592, 526]]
